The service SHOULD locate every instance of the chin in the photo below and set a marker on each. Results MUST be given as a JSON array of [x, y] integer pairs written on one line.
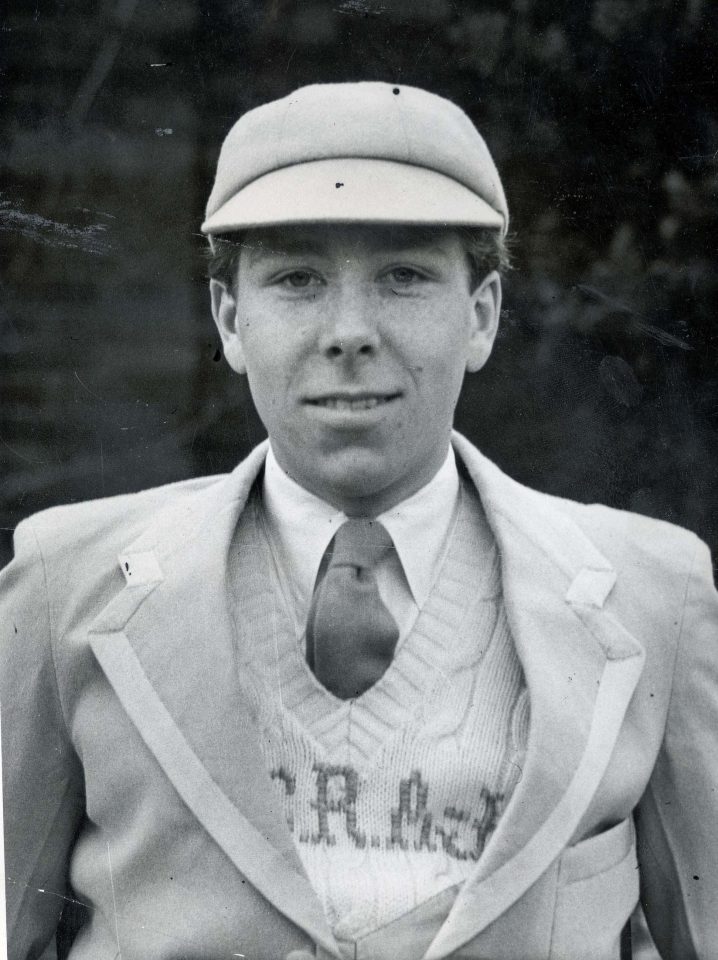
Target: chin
[[366, 482], [370, 476], [361, 479]]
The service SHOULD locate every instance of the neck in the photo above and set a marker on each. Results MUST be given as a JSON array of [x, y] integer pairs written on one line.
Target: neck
[[364, 497]]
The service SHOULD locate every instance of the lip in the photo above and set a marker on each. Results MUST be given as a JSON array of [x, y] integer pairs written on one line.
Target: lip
[[351, 396], [350, 407]]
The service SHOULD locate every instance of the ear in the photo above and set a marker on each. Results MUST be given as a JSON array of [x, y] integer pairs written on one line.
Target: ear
[[224, 311], [486, 310]]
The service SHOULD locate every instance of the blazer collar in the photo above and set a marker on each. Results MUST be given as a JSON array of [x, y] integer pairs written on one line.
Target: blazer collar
[[581, 667]]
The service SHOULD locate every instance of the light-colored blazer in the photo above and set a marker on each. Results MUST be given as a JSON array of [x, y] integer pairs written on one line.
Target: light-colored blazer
[[131, 760]]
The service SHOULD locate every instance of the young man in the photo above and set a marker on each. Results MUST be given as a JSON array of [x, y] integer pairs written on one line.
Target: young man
[[366, 697]]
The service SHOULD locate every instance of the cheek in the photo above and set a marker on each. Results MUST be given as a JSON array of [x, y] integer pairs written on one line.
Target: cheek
[[439, 364], [270, 349], [274, 364], [434, 336]]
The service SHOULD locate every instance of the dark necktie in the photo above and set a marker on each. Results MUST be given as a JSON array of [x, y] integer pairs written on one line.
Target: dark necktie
[[351, 636]]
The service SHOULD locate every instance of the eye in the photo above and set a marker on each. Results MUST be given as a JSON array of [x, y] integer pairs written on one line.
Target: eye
[[404, 276], [298, 279]]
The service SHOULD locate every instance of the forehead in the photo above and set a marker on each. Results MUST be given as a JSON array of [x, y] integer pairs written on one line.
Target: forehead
[[331, 239]]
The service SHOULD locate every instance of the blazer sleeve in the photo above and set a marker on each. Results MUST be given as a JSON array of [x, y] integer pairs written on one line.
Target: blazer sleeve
[[678, 815], [42, 780]]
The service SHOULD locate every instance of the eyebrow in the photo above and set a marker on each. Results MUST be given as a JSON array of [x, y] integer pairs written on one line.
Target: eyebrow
[[408, 246], [401, 240], [407, 237], [281, 246]]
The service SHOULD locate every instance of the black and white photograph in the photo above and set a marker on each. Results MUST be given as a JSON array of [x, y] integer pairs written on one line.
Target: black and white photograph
[[359, 480]]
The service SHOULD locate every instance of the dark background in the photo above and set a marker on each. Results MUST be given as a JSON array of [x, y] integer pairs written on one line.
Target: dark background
[[601, 115]]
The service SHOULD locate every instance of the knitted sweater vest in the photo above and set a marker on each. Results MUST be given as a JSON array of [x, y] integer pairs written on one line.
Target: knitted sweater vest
[[390, 798]]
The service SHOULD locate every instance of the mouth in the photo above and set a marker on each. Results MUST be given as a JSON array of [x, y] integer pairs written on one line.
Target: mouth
[[352, 402]]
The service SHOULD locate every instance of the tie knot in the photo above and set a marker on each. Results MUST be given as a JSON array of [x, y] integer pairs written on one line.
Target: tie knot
[[360, 543]]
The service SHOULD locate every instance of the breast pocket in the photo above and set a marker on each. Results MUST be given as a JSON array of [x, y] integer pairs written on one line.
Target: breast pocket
[[597, 891]]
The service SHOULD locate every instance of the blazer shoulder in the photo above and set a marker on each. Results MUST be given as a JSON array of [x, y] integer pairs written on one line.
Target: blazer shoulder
[[111, 521], [628, 537], [628, 540]]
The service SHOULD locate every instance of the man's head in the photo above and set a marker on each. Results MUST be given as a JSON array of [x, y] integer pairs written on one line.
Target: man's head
[[358, 233]]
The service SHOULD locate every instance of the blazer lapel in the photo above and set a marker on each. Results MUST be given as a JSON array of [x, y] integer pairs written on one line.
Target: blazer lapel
[[167, 645], [581, 668]]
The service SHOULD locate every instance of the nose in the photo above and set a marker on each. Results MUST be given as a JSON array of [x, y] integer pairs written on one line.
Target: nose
[[349, 330]]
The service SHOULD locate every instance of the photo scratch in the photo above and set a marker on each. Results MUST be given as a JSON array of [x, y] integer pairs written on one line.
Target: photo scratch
[[366, 7], [43, 230], [22, 456], [114, 904], [83, 384]]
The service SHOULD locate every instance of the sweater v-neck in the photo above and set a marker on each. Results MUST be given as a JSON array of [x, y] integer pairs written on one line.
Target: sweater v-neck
[[354, 731]]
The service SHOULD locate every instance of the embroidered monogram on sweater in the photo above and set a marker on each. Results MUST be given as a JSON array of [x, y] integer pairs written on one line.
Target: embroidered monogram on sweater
[[410, 824]]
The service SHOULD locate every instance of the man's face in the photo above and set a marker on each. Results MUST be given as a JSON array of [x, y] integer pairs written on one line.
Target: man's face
[[355, 340]]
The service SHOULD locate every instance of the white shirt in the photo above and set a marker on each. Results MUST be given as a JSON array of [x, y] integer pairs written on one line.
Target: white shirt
[[301, 526]]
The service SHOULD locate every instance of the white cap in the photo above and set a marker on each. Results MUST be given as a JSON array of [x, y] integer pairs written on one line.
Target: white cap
[[356, 153]]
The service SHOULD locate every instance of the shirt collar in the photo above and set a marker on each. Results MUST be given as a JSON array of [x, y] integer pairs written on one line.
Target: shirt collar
[[419, 527], [302, 526]]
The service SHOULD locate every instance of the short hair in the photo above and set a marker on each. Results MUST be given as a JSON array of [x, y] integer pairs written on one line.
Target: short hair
[[486, 250]]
